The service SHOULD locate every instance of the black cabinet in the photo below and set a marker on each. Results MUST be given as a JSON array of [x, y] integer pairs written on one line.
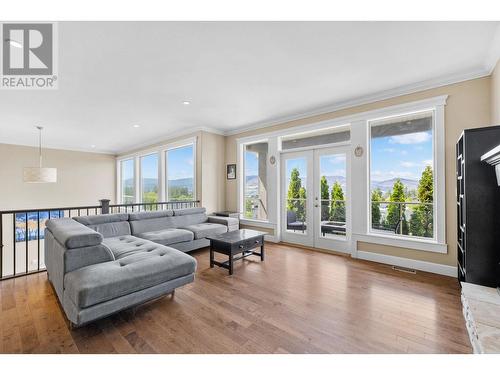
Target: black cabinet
[[478, 208]]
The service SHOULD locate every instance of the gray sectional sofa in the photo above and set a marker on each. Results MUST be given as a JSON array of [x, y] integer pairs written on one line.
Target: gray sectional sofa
[[102, 264]]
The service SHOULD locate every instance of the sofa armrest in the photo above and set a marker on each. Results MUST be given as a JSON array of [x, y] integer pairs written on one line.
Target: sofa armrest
[[71, 234], [227, 221]]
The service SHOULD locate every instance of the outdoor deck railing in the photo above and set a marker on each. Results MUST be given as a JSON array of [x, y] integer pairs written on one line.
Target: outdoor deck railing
[[22, 231]]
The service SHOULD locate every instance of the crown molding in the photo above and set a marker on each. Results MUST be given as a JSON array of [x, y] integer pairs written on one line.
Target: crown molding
[[172, 135], [368, 99], [57, 147]]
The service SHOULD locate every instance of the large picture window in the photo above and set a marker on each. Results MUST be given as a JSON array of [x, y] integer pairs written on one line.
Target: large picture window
[[149, 178], [127, 181], [402, 175], [255, 181], [180, 173]]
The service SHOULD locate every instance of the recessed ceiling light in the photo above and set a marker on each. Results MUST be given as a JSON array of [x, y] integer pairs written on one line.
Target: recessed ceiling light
[[92, 146], [186, 102], [136, 126]]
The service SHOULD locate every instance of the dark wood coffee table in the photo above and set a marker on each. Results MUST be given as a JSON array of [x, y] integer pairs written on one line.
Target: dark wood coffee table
[[241, 241]]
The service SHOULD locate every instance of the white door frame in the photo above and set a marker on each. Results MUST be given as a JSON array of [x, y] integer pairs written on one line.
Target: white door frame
[[312, 236]]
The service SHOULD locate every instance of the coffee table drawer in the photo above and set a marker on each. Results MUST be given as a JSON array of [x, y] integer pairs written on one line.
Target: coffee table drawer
[[248, 244]]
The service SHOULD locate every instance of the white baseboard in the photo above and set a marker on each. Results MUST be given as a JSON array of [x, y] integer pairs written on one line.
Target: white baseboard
[[271, 238], [420, 265]]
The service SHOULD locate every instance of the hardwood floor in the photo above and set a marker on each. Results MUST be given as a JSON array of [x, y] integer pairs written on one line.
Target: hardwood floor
[[297, 301]]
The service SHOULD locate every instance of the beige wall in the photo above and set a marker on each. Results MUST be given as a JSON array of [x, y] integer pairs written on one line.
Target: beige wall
[[468, 106], [213, 171], [83, 178], [495, 95]]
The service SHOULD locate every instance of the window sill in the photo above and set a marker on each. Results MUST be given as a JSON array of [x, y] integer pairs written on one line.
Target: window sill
[[408, 243], [257, 223]]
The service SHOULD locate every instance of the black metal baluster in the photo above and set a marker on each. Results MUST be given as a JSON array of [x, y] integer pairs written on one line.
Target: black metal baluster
[[87, 212], [26, 238], [14, 226], [78, 212], [38, 237]]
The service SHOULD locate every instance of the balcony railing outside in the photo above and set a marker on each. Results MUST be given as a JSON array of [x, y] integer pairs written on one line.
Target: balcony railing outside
[[255, 209], [403, 218], [22, 231]]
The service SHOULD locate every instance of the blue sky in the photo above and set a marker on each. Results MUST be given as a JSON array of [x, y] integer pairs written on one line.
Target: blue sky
[[401, 156], [179, 164], [251, 163]]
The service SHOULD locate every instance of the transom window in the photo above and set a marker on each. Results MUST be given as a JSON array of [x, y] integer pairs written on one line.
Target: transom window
[[402, 175]]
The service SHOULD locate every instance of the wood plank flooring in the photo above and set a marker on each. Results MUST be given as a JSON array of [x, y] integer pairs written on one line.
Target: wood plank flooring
[[297, 301]]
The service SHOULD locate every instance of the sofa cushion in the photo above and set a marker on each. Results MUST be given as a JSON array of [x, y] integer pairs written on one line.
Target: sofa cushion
[[143, 215], [71, 234], [168, 236], [206, 229], [109, 225], [124, 246], [102, 282], [190, 211], [148, 223]]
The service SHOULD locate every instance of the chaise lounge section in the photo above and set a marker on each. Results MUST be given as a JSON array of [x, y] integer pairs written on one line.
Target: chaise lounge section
[[103, 264]]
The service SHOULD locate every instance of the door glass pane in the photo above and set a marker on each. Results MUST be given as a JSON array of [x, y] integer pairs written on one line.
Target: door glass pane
[[332, 195], [296, 207], [127, 183], [149, 178]]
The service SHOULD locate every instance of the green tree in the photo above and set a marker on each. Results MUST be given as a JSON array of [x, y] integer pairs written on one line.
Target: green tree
[[293, 190], [416, 227], [179, 193], [376, 215], [325, 197], [337, 205], [248, 208], [301, 212], [396, 211], [421, 221]]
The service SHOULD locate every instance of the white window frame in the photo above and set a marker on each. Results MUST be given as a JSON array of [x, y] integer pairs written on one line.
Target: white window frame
[[438, 243], [161, 151], [141, 176], [434, 203], [240, 172], [174, 147], [119, 192]]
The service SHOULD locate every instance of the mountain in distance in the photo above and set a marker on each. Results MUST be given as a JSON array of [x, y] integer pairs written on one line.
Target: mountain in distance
[[387, 185]]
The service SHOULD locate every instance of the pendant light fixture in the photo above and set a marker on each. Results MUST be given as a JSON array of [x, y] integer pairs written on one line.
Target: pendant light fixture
[[40, 174]]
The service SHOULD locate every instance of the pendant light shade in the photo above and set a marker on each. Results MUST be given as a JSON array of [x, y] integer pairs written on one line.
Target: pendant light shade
[[40, 174]]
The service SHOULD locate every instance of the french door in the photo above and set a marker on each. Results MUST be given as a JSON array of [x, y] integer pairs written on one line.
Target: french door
[[315, 193]]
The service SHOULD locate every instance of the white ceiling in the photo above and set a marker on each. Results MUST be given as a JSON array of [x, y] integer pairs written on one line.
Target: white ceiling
[[113, 75]]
